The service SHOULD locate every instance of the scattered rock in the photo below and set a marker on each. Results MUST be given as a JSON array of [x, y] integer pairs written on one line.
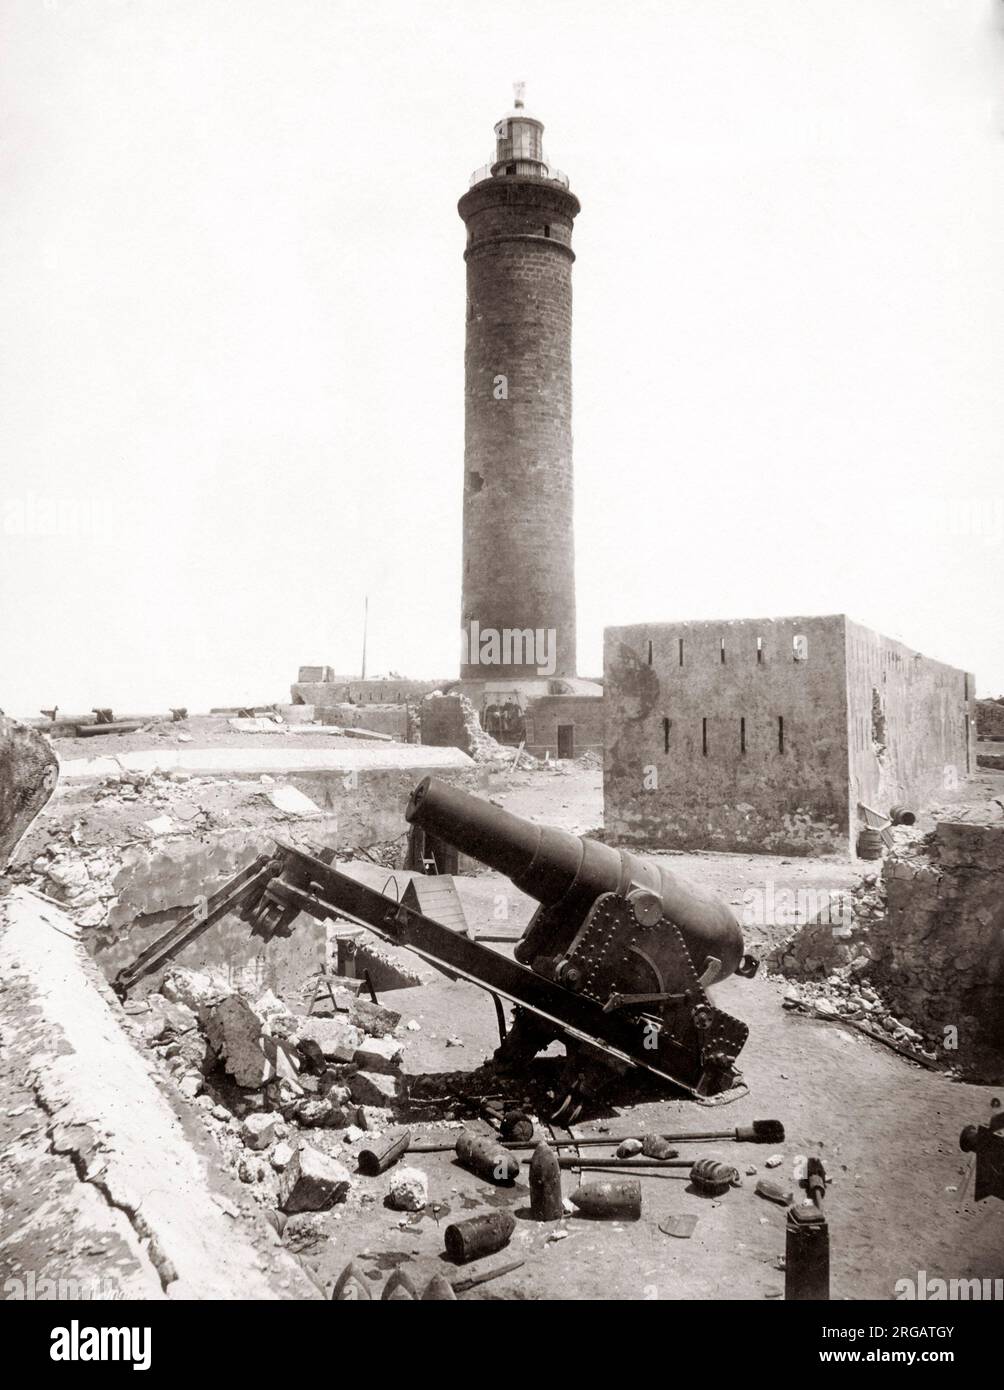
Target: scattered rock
[[379, 1055], [281, 1156], [629, 1148], [409, 1190], [336, 1037], [322, 1113], [258, 1131], [312, 1181], [373, 1088], [774, 1161], [250, 1169], [190, 1085], [654, 1146], [373, 1018]]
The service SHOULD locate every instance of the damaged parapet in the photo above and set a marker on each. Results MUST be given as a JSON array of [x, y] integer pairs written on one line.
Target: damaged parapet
[[939, 955], [917, 953], [28, 775]]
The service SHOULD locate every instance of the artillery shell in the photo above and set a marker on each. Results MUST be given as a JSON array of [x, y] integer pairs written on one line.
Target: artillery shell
[[545, 1185], [399, 1289], [516, 1127], [351, 1286], [618, 1200], [481, 1235], [377, 1158], [487, 1158], [713, 1177], [439, 1289]]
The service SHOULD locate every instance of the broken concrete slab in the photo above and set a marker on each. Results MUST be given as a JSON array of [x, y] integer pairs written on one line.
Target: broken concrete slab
[[414, 758], [312, 1181], [292, 802]]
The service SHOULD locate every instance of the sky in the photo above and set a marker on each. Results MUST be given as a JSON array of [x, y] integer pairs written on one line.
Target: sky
[[232, 316]]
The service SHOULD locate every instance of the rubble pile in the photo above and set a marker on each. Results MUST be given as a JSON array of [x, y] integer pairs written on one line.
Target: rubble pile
[[287, 1096], [830, 962], [916, 958], [480, 746], [844, 996]]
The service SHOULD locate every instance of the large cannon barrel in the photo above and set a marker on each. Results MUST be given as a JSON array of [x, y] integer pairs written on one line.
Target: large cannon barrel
[[567, 873]]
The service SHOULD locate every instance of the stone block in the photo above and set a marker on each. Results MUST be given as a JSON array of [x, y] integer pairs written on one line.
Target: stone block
[[337, 1038], [374, 1088], [379, 1054], [312, 1181]]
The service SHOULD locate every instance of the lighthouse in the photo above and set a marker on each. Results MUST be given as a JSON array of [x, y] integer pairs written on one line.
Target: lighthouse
[[518, 600]]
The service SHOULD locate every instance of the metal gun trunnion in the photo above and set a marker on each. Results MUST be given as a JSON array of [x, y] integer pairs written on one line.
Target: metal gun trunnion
[[615, 962]]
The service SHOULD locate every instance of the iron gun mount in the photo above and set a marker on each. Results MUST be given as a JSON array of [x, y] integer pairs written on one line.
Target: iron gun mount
[[615, 963]]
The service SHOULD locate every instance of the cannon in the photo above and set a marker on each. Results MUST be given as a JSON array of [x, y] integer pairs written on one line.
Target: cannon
[[615, 962]]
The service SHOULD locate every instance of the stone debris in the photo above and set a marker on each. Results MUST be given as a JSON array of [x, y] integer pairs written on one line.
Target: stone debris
[[374, 1088], [292, 802], [260, 1130], [312, 1181], [338, 1039], [409, 1190], [323, 1113], [281, 1156], [379, 1054], [243, 1041], [629, 1148], [373, 1018], [191, 988]]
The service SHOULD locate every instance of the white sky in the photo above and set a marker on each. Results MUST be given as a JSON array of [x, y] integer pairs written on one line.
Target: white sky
[[232, 315]]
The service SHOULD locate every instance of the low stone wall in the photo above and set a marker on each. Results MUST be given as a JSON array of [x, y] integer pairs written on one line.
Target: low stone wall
[[382, 719], [939, 955]]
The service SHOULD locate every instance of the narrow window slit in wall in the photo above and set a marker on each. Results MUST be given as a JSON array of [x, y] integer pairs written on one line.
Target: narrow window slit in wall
[[681, 650], [722, 650], [666, 726], [780, 733], [742, 735], [759, 651], [704, 737], [650, 653]]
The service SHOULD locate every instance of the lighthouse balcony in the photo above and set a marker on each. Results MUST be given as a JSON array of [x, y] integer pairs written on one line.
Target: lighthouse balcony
[[524, 169]]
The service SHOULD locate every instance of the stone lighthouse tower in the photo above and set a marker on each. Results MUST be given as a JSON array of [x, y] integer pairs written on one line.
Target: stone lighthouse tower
[[519, 550]]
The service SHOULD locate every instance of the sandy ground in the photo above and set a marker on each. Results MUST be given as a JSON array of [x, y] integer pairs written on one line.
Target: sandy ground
[[887, 1131]]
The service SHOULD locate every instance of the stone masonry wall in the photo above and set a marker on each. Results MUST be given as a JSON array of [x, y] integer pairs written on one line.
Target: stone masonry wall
[[717, 737], [911, 724], [518, 557], [939, 955]]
